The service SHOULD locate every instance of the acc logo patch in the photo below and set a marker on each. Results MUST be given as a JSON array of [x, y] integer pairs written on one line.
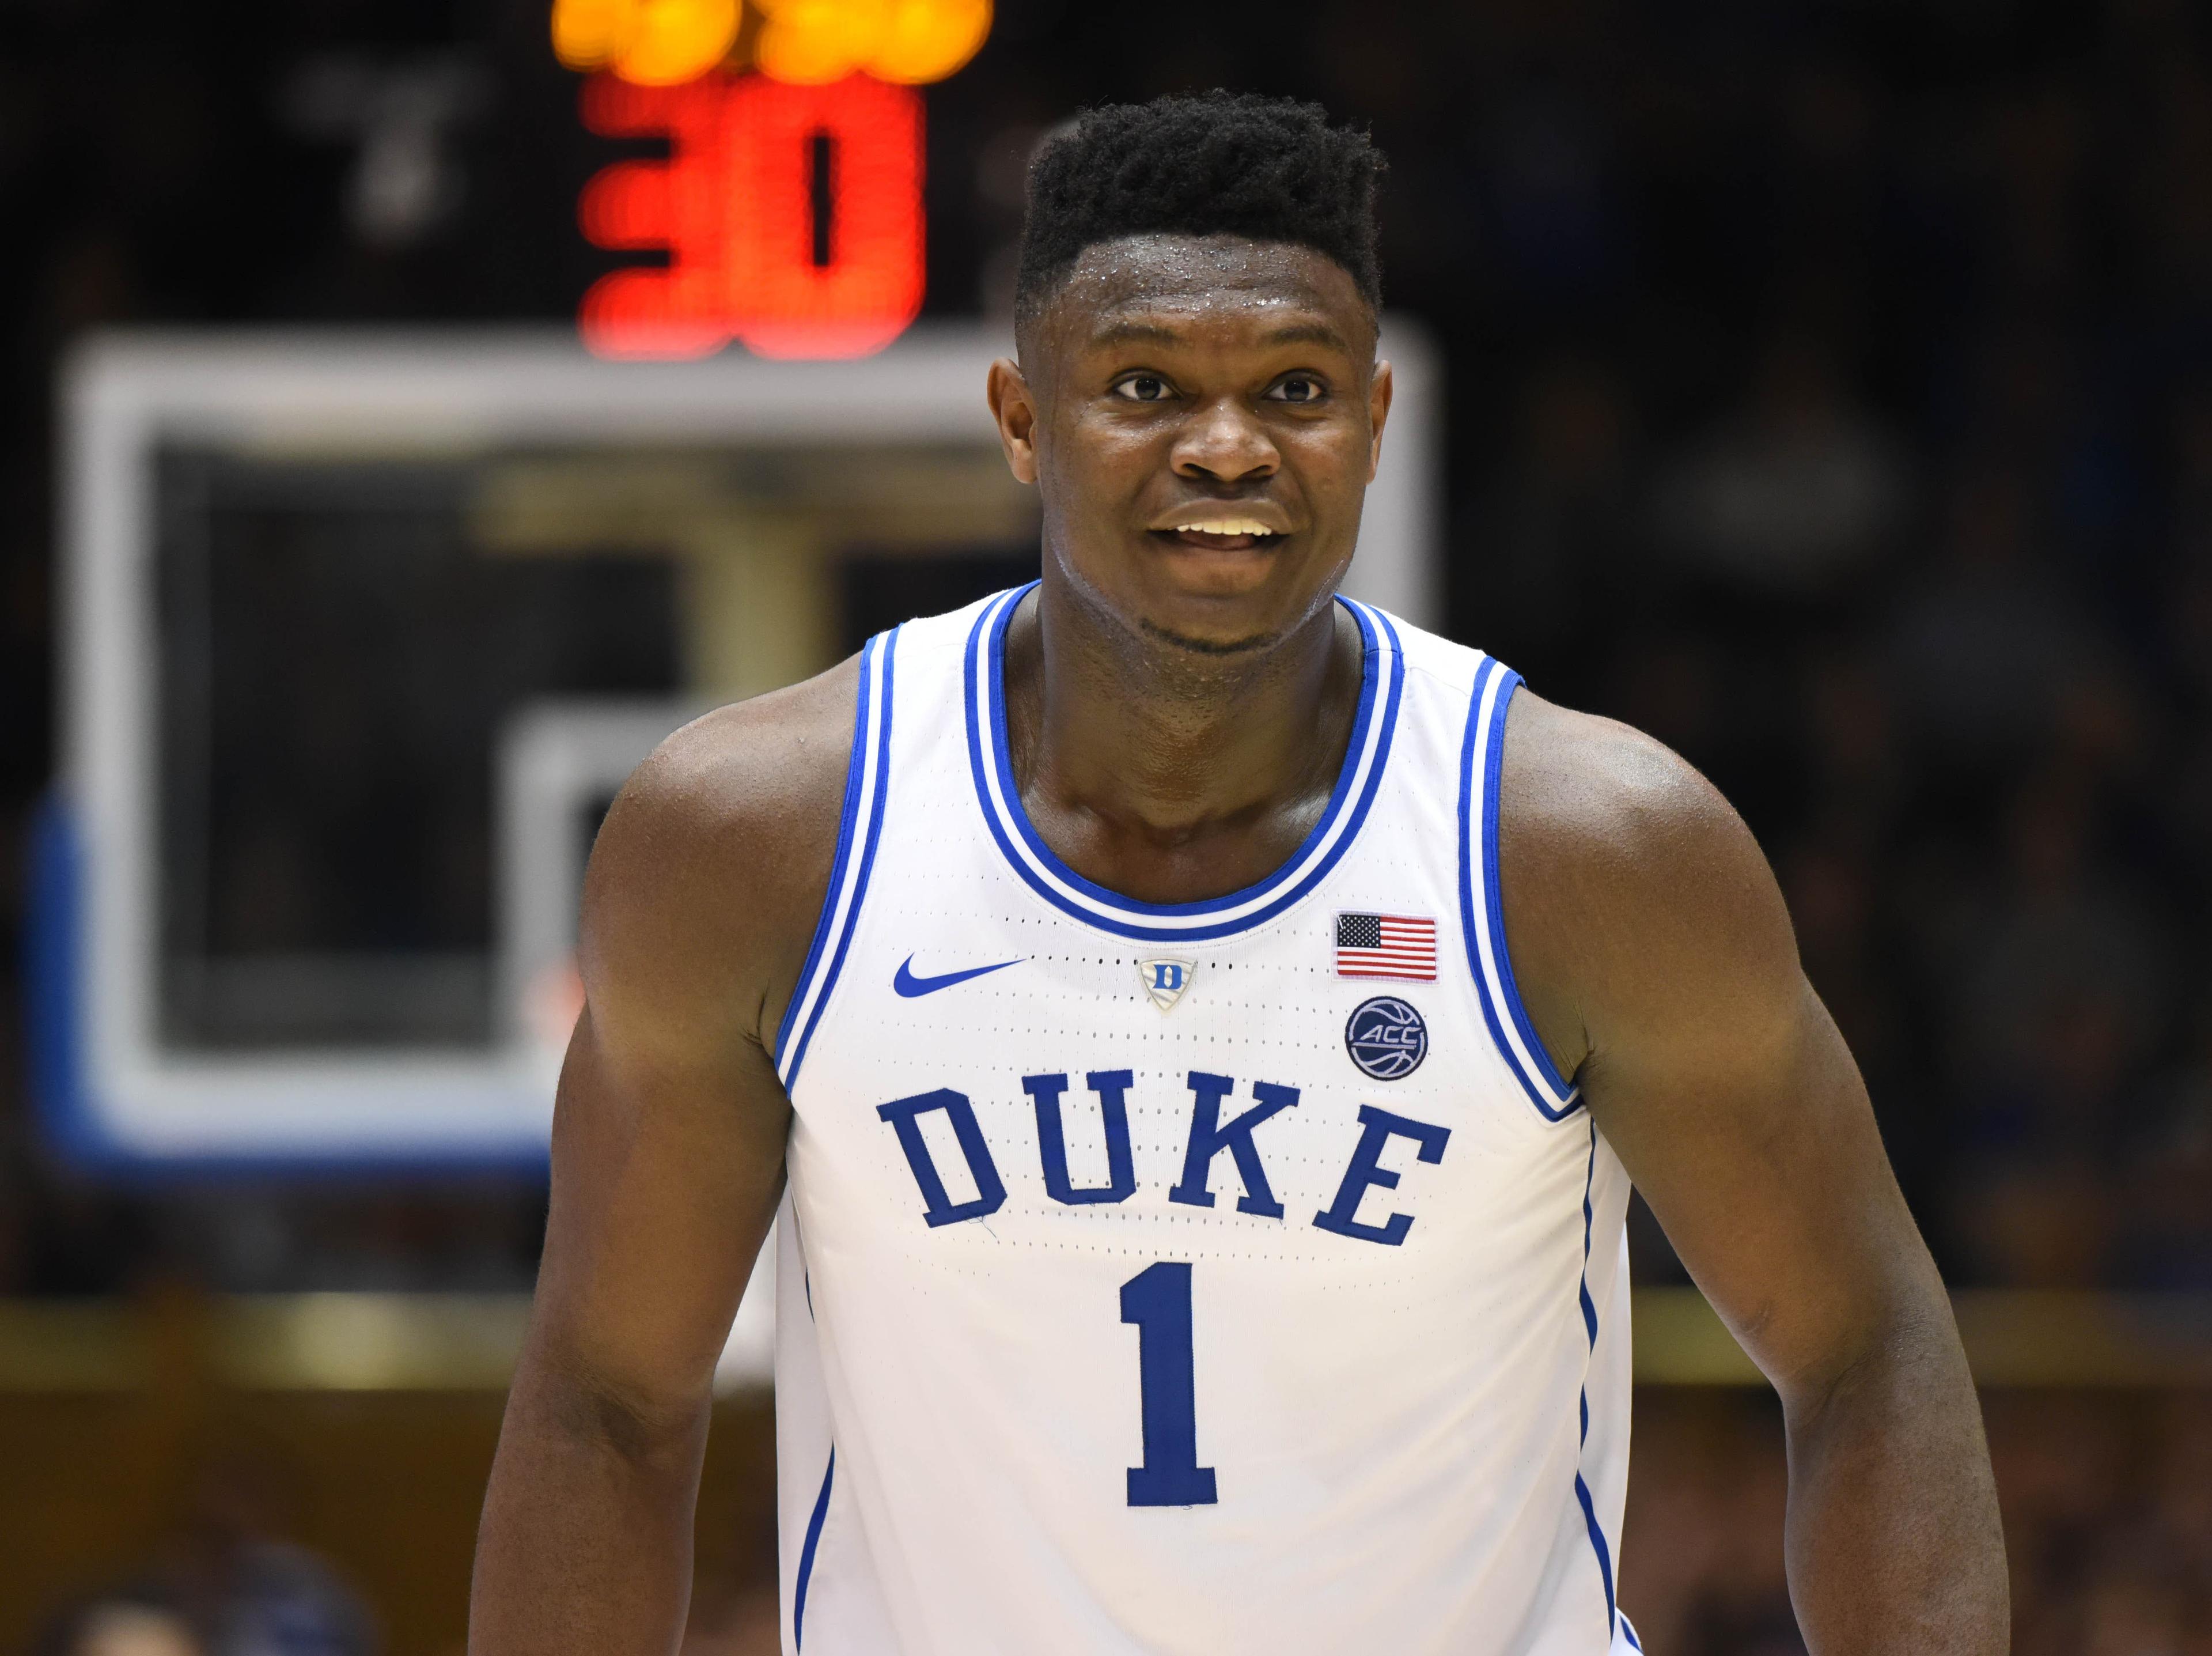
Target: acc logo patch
[[1386, 1038], [1166, 980]]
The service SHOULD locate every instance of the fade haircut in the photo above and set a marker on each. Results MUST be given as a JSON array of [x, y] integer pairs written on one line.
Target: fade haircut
[[1222, 163]]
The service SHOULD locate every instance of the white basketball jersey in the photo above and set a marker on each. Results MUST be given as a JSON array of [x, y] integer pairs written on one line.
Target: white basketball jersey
[[1209, 1277]]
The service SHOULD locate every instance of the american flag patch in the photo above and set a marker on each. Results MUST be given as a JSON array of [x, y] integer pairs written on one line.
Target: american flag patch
[[1386, 946]]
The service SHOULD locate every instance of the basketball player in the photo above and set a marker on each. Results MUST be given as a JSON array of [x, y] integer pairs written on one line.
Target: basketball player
[[1195, 1035]]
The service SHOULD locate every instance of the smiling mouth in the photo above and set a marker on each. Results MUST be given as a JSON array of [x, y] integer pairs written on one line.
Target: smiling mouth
[[1223, 534]]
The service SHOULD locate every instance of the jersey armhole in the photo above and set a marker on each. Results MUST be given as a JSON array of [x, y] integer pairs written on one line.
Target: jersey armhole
[[860, 826], [1482, 915]]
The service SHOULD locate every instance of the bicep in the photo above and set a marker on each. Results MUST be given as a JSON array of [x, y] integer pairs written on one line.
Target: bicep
[[1757, 1150], [1713, 1068], [669, 1125], [665, 1177]]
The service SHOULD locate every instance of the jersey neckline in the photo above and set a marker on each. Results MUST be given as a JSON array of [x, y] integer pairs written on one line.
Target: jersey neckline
[[1382, 676]]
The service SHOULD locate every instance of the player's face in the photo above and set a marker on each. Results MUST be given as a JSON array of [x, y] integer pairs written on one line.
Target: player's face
[[1202, 416]]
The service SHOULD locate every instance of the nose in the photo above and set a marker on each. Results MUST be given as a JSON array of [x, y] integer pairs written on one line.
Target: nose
[[1225, 441]]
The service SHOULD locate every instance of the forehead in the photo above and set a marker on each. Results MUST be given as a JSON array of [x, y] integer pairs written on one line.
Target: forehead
[[1219, 286]]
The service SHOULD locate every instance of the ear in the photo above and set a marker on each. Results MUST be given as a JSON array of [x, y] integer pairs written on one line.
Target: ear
[[1379, 389], [1015, 410]]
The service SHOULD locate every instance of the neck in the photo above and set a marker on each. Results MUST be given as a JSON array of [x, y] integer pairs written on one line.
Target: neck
[[1167, 773]]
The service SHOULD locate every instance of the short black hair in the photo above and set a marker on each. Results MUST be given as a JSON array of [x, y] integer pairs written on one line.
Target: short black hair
[[1220, 163]]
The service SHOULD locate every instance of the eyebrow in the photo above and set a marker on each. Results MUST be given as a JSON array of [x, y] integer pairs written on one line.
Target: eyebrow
[[1152, 334]]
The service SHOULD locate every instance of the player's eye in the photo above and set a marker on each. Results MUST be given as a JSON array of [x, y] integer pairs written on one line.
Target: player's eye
[[1143, 389], [1298, 388]]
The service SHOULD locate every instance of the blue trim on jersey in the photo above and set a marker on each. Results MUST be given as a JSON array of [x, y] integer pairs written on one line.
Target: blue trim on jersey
[[877, 661], [806, 1554], [1493, 773], [1597, 1541], [1628, 1627], [1361, 775], [855, 769], [1002, 758], [1500, 996], [1589, 1325]]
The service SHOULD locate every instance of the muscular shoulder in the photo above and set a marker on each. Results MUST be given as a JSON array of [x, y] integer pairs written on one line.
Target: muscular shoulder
[[1635, 898], [709, 870]]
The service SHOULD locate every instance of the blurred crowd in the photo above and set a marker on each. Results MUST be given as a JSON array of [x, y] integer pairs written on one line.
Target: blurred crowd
[[1830, 393], [223, 1583], [1878, 481], [2107, 1515]]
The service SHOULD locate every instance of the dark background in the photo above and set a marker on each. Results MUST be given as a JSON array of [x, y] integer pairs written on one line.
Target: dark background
[[1829, 391]]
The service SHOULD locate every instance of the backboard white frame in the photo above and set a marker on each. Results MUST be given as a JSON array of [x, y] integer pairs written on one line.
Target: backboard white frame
[[553, 756], [112, 1096]]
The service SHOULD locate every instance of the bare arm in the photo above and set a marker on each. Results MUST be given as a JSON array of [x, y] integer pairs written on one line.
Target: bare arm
[[668, 1141], [1656, 958]]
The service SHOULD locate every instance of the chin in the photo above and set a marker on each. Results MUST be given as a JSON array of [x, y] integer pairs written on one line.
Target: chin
[[1216, 618], [1211, 602]]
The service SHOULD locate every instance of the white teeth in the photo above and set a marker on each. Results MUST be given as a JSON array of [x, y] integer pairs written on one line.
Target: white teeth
[[1224, 527]]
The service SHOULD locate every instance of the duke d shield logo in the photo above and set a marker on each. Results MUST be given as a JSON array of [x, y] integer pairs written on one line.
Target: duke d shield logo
[[1166, 980]]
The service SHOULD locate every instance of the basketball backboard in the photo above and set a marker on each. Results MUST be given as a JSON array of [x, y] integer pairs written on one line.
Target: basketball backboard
[[364, 630]]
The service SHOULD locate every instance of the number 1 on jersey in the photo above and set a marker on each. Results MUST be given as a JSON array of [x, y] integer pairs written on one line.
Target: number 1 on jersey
[[1157, 1300]]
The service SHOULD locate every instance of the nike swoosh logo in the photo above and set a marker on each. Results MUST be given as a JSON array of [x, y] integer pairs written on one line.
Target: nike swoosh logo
[[909, 985]]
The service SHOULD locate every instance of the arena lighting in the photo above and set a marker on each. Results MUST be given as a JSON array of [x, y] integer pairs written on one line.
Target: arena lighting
[[791, 214], [789, 208]]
